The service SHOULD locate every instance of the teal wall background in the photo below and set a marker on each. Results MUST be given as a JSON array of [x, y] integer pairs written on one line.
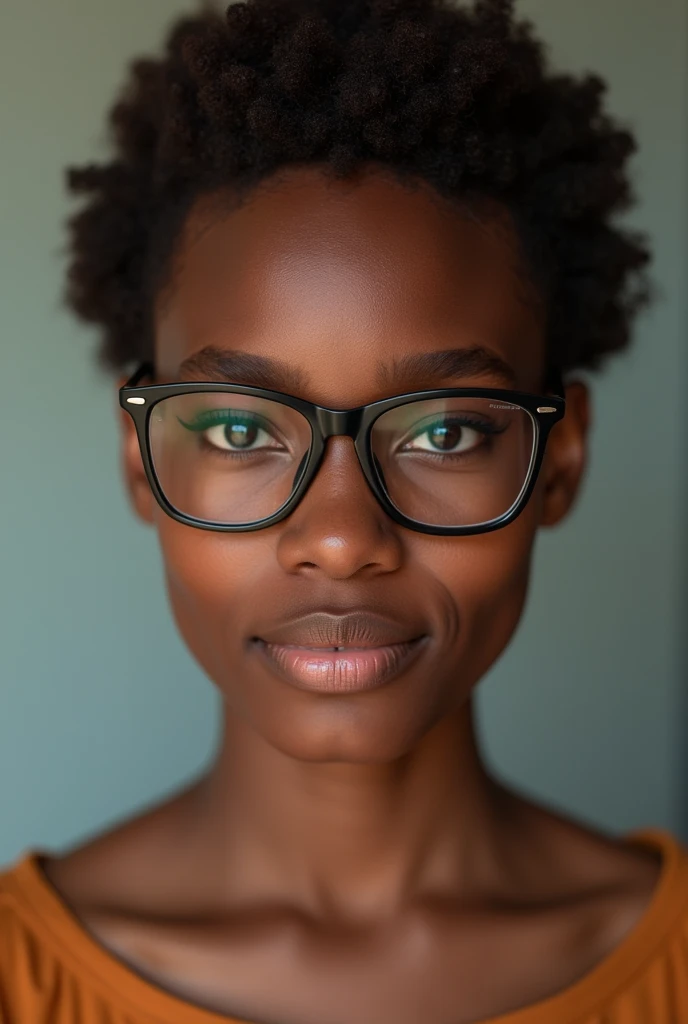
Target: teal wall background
[[102, 710]]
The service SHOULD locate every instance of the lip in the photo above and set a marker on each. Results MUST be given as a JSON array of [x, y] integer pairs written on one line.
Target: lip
[[352, 670], [358, 627]]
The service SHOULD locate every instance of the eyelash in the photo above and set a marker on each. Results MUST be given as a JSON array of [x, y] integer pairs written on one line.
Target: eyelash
[[465, 421], [219, 417], [213, 417]]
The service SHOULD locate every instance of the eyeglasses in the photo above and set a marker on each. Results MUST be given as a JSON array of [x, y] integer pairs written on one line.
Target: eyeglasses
[[450, 461]]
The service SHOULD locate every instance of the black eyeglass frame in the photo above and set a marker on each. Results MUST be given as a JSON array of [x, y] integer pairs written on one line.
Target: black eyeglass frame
[[545, 410]]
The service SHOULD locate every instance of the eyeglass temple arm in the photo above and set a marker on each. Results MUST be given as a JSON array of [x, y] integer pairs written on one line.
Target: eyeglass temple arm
[[553, 382], [144, 370]]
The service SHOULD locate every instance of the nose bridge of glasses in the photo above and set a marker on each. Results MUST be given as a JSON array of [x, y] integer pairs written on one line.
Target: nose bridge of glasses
[[339, 422]]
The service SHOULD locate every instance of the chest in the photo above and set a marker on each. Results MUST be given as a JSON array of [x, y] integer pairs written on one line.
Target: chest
[[281, 970]]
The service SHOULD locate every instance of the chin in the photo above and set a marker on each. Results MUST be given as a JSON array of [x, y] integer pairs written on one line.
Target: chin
[[346, 733]]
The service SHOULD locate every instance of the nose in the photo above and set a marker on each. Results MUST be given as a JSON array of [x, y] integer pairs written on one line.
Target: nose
[[339, 528]]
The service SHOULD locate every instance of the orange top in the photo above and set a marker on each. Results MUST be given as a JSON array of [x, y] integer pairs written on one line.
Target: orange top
[[52, 969]]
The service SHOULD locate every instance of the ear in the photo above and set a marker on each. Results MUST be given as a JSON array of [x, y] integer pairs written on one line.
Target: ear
[[566, 456], [140, 495]]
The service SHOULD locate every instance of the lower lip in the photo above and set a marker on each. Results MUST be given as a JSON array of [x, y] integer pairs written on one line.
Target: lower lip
[[349, 671]]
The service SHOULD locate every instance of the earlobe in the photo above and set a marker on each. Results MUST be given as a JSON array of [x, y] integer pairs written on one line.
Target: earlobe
[[135, 479], [566, 456]]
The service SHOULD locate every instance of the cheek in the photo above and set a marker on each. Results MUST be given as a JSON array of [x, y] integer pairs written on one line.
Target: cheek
[[485, 579], [213, 582]]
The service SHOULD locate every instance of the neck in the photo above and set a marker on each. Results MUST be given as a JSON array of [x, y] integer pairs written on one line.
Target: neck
[[354, 841]]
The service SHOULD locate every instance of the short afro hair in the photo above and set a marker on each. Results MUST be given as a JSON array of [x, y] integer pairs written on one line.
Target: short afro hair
[[461, 98]]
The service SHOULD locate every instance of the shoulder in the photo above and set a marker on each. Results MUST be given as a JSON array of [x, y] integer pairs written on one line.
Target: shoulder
[[28, 946], [640, 965], [631, 889], [46, 896], [16, 878], [132, 868], [624, 928]]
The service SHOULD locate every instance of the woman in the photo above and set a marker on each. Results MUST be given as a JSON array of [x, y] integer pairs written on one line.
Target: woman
[[351, 251]]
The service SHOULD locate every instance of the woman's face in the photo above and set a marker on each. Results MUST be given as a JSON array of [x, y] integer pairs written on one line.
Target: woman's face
[[328, 287]]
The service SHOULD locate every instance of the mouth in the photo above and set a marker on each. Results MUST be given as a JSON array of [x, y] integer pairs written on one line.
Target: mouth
[[339, 669], [339, 654]]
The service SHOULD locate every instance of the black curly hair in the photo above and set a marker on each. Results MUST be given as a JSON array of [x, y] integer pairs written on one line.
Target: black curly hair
[[462, 99]]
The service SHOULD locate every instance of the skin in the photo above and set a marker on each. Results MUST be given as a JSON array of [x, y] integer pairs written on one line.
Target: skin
[[354, 849]]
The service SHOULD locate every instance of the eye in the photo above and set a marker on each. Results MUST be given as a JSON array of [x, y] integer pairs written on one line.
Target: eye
[[234, 431], [449, 436], [239, 435]]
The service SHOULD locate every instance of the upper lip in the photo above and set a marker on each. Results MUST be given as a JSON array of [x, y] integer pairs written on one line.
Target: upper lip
[[353, 629]]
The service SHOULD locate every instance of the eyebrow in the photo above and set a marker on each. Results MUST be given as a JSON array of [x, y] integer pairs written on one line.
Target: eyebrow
[[237, 367], [445, 365], [415, 369]]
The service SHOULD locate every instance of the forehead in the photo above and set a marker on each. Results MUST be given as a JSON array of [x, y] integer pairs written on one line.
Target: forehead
[[340, 279]]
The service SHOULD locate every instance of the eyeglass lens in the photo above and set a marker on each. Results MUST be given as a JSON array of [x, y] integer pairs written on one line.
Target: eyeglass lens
[[235, 459]]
